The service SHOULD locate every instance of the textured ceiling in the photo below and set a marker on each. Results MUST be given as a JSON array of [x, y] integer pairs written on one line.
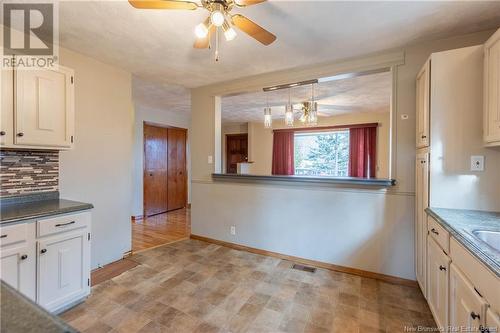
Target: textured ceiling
[[161, 96], [369, 93], [157, 44]]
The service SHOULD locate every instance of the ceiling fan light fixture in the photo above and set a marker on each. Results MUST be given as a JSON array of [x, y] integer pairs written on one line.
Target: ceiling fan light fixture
[[201, 30], [217, 16], [229, 32]]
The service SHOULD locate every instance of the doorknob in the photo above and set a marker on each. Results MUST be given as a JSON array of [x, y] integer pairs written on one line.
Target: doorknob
[[150, 175]]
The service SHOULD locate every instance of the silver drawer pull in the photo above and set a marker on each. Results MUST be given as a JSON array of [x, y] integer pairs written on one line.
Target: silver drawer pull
[[64, 224], [3, 236]]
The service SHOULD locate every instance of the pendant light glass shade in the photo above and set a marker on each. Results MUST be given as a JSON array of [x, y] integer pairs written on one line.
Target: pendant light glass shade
[[268, 119], [289, 110], [289, 115]]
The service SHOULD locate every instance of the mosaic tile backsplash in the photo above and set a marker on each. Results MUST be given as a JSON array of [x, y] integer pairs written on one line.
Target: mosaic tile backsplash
[[28, 172]]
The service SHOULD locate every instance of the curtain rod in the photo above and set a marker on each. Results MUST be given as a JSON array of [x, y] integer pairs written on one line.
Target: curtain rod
[[320, 128]]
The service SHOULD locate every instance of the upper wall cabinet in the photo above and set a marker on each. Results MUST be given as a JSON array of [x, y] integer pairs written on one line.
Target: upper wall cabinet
[[423, 104], [38, 109], [492, 90]]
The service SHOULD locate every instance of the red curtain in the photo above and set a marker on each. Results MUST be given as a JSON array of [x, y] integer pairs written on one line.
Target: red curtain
[[363, 152], [283, 153]]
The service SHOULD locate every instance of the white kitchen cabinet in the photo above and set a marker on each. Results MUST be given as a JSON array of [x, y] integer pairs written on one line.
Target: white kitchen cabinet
[[423, 105], [491, 104], [6, 107], [18, 258], [466, 305], [437, 282], [492, 323], [44, 108], [48, 260], [63, 266], [422, 201]]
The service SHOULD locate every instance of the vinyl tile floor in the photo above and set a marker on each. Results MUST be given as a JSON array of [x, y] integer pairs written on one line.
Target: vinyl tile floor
[[193, 286]]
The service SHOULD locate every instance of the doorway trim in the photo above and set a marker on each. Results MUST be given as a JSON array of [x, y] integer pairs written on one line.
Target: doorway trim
[[155, 124]]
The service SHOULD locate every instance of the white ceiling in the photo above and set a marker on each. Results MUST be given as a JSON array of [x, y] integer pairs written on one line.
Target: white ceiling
[[157, 44], [161, 96], [369, 93]]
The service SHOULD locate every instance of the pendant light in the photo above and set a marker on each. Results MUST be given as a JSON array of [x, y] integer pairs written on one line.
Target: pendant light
[[289, 111], [313, 109], [268, 119]]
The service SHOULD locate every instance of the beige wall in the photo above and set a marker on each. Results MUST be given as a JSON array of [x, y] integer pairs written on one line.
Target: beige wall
[[318, 222], [99, 168], [261, 140]]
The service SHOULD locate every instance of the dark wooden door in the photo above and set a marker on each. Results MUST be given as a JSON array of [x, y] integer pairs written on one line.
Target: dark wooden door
[[236, 151], [155, 170], [177, 178]]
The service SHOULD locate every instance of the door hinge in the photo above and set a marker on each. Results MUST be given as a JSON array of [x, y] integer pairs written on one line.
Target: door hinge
[[72, 139], [88, 282], [88, 236], [72, 80]]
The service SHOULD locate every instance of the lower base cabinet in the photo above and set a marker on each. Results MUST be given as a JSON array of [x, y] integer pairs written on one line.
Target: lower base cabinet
[[48, 260], [492, 322], [18, 268], [466, 305], [62, 263], [437, 282]]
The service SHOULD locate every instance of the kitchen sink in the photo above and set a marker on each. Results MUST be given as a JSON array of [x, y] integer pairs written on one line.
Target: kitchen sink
[[492, 238]]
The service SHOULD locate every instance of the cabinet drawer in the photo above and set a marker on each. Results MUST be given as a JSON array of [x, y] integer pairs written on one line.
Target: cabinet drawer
[[485, 281], [13, 234], [439, 234], [62, 223]]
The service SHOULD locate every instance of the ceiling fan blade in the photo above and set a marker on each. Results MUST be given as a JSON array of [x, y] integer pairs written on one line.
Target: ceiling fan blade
[[245, 3], [163, 4], [203, 43], [253, 29]]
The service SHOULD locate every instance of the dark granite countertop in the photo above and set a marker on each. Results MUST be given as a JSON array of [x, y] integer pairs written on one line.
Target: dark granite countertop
[[461, 223], [35, 206], [21, 315]]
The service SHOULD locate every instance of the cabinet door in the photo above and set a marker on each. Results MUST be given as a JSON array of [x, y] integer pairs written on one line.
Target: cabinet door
[[465, 304], [63, 269], [492, 90], [492, 321], [18, 268], [437, 282], [6, 107], [423, 105], [422, 200], [44, 108]]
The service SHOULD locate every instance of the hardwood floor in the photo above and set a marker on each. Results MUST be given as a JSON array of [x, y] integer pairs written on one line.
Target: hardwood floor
[[112, 270], [193, 286], [161, 229]]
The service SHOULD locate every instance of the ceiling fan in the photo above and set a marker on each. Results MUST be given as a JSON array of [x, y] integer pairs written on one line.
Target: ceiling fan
[[220, 17]]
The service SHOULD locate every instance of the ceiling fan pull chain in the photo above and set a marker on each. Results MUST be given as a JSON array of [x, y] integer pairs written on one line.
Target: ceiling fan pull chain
[[217, 44]]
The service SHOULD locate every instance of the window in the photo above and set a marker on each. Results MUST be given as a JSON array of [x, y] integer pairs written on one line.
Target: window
[[322, 153]]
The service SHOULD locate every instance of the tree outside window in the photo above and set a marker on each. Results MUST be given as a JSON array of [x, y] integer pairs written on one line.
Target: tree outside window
[[322, 153]]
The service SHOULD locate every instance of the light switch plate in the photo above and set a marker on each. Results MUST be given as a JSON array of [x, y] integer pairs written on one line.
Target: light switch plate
[[233, 230], [477, 163]]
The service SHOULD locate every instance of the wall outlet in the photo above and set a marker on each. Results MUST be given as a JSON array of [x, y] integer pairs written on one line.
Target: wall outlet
[[477, 163], [210, 159], [233, 230]]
